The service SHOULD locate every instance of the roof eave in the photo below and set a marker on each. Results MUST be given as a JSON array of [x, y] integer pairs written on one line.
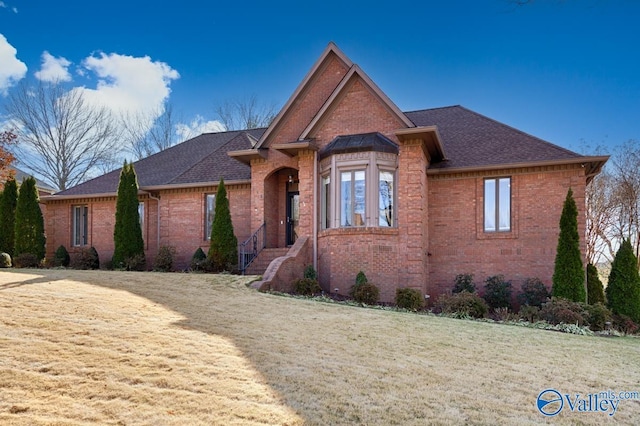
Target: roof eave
[[292, 148], [593, 165], [246, 155], [431, 138]]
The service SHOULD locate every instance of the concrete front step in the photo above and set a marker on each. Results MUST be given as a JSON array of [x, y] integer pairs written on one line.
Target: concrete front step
[[264, 259]]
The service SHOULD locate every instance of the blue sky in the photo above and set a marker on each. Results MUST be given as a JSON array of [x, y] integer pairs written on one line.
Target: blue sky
[[566, 71]]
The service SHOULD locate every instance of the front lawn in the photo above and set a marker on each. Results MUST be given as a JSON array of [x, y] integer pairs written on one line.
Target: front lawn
[[86, 347]]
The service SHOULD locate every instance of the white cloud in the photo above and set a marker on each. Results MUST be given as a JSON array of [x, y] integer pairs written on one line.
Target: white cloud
[[198, 126], [53, 69], [12, 69], [129, 85]]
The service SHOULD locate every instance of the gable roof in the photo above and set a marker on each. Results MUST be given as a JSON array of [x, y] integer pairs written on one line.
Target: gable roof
[[474, 141], [198, 161]]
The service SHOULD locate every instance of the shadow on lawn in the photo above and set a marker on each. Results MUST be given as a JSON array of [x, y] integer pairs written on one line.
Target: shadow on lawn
[[41, 279]]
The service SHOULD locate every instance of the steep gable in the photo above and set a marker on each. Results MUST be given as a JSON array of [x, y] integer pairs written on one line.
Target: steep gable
[[356, 106], [308, 98]]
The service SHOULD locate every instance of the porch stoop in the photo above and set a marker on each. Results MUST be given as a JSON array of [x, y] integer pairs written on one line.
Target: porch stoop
[[264, 259]]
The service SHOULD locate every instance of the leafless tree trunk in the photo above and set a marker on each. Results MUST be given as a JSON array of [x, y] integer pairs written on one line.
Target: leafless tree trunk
[[601, 218], [148, 133], [626, 193], [245, 114], [61, 136]]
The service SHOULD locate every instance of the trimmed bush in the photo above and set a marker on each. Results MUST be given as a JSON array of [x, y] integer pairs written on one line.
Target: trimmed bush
[[623, 289], [8, 203], [595, 289], [409, 298], [223, 249], [87, 258], [61, 257], [5, 260], [464, 282], [26, 260], [306, 287], [599, 315], [463, 304], [29, 224], [310, 272], [560, 310], [529, 313], [624, 324], [164, 259], [497, 292], [534, 293], [568, 273], [198, 260], [128, 250], [363, 291]]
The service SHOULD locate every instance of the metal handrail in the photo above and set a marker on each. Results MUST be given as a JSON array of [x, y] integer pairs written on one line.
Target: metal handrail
[[251, 248]]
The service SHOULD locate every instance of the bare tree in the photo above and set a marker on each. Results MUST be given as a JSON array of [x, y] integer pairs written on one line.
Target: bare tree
[[62, 137], [601, 219], [150, 132], [626, 193], [245, 114]]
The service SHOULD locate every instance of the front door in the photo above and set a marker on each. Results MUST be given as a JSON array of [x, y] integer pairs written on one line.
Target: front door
[[293, 216]]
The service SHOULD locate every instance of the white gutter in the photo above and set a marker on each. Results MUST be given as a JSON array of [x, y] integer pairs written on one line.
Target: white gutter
[[315, 210], [157, 220]]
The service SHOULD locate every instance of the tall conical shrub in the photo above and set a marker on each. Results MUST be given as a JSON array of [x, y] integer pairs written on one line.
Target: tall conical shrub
[[568, 274], [595, 290], [128, 250], [623, 288], [8, 203], [29, 224], [223, 250]]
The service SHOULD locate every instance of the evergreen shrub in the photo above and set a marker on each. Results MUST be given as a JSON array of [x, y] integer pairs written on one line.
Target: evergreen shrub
[[409, 298], [464, 282], [497, 292], [61, 257], [463, 304]]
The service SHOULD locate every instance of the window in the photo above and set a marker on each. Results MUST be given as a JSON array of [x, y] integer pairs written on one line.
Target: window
[[497, 204], [352, 198], [80, 225], [326, 202], [141, 216], [385, 199], [209, 213]]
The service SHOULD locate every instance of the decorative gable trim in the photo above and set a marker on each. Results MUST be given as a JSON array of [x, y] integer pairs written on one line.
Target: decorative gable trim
[[354, 72], [331, 49]]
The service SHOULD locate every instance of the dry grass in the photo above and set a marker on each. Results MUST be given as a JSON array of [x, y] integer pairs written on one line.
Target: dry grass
[[81, 347]]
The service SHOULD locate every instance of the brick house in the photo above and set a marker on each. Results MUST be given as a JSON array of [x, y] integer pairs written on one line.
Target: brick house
[[344, 180]]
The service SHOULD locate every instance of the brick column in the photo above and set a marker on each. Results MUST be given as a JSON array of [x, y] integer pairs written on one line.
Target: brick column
[[412, 215]]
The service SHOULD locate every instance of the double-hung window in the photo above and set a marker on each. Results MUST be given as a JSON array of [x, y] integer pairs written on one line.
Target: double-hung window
[[497, 204], [80, 217]]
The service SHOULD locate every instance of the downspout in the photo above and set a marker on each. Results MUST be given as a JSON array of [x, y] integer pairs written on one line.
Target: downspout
[[157, 220], [315, 210]]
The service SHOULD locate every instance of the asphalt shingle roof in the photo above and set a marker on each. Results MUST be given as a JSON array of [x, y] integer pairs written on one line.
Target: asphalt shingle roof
[[198, 160], [471, 140]]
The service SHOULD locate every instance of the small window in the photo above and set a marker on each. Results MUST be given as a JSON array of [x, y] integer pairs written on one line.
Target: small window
[[497, 205], [352, 205], [326, 202], [385, 199], [80, 225], [209, 213], [141, 216]]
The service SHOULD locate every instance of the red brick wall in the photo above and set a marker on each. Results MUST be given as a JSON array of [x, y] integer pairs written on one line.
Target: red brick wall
[[182, 224], [458, 243], [311, 100], [359, 111]]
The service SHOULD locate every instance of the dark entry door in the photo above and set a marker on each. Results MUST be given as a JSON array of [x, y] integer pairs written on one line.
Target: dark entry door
[[293, 216]]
